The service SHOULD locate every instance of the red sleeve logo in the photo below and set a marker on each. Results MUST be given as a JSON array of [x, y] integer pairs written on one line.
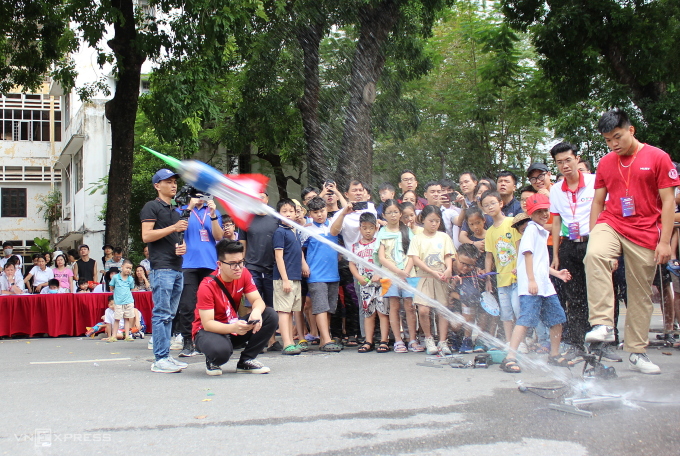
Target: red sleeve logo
[[673, 173]]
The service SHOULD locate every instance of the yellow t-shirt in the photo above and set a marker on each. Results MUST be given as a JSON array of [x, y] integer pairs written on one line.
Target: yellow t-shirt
[[431, 250], [502, 242]]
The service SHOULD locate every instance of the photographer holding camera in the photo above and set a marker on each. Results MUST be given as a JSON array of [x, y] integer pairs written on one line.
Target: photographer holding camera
[[203, 231], [333, 198]]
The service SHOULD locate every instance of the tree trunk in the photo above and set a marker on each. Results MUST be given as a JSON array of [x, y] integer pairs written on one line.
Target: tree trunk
[[356, 152], [121, 111], [309, 37]]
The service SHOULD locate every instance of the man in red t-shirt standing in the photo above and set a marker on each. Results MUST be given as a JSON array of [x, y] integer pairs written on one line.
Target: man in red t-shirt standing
[[637, 222], [217, 327]]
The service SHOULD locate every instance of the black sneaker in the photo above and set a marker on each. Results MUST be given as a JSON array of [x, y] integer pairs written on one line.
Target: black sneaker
[[211, 368], [188, 350], [251, 366], [275, 347], [608, 353]]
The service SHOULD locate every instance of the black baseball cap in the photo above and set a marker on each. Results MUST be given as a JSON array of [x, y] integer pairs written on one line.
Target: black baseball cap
[[538, 166], [107, 245]]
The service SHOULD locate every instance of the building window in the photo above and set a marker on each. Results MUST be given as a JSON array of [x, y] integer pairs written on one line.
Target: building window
[[26, 117], [13, 202]]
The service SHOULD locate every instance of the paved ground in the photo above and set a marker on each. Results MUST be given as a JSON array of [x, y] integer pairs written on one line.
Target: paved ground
[[314, 404]]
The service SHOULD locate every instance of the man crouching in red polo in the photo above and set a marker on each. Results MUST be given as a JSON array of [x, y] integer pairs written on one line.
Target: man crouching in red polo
[[217, 327]]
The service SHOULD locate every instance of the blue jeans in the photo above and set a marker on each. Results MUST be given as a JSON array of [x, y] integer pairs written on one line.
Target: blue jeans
[[166, 286], [508, 299], [265, 285], [537, 308]]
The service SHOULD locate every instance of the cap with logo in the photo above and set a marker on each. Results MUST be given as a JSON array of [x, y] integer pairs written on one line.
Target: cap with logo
[[163, 174], [537, 201]]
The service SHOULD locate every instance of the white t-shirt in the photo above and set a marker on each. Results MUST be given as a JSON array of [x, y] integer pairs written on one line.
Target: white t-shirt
[[350, 232], [109, 318], [534, 240], [18, 265], [18, 281], [562, 202], [449, 217], [40, 276]]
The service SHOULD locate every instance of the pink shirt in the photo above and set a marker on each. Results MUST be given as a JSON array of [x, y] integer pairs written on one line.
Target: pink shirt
[[63, 277]]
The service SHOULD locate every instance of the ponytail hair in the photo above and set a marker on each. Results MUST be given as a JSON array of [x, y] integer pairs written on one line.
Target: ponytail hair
[[405, 240]]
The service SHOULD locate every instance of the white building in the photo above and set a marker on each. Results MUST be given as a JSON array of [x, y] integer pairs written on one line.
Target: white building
[[30, 142]]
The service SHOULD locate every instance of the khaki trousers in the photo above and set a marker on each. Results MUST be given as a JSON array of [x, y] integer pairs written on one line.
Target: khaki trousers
[[604, 248]]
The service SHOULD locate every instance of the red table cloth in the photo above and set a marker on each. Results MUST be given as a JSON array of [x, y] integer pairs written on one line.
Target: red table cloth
[[63, 314]]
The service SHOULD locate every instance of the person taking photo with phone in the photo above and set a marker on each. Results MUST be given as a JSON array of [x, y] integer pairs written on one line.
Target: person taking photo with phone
[[217, 328]]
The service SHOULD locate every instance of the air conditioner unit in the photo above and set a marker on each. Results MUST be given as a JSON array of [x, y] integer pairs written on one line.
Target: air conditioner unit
[[67, 212]]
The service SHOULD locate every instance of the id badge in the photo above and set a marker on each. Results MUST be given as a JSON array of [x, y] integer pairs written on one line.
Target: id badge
[[627, 206], [574, 231], [204, 235]]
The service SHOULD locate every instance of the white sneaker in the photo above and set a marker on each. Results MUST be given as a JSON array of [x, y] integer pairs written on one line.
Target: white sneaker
[[600, 333], [641, 363], [165, 366], [179, 364], [430, 346], [443, 348], [523, 349], [177, 342], [149, 344]]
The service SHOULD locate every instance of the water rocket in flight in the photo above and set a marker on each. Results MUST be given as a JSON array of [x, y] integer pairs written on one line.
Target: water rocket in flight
[[239, 194]]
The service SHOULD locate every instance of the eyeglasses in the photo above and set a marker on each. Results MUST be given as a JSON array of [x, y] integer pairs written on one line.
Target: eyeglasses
[[234, 266], [228, 224], [540, 177], [408, 179], [490, 204], [566, 161]]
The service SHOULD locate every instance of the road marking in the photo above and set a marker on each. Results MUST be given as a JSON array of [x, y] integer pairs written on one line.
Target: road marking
[[80, 361]]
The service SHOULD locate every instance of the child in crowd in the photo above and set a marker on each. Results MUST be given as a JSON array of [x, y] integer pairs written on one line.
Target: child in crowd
[[395, 239], [83, 286], [467, 291], [121, 285], [141, 279], [477, 233], [386, 192], [538, 299], [53, 288], [11, 280], [501, 251], [290, 267], [229, 228], [432, 254], [62, 273], [370, 298], [324, 277], [300, 328], [410, 197], [409, 217], [106, 324], [40, 274]]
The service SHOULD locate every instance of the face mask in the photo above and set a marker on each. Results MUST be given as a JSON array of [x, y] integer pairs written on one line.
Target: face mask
[[53, 291], [8, 252]]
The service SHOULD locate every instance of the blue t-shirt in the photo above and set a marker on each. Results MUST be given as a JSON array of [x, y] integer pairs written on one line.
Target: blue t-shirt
[[201, 252], [122, 289], [286, 239], [322, 260]]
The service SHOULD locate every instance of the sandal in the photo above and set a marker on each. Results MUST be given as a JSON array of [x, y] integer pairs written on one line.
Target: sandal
[[366, 347], [331, 347], [560, 361], [510, 366], [674, 267], [383, 347], [352, 342], [303, 345], [400, 347], [291, 349], [415, 347], [542, 350]]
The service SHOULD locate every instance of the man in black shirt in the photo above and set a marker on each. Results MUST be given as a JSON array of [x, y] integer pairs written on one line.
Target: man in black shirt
[[161, 226], [86, 267]]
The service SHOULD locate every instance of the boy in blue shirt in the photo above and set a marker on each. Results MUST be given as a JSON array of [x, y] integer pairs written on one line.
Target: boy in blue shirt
[[324, 277], [121, 285], [287, 275]]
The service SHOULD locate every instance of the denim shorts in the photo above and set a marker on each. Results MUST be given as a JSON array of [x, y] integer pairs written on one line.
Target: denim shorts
[[508, 300], [396, 292], [544, 308]]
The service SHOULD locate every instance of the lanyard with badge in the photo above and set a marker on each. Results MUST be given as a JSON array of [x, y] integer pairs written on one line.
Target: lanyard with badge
[[627, 202], [203, 232], [574, 227]]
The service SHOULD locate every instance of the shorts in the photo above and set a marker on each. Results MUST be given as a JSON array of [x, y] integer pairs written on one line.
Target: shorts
[[433, 288], [124, 311], [396, 292], [324, 296], [544, 308], [287, 302], [371, 301], [508, 300]]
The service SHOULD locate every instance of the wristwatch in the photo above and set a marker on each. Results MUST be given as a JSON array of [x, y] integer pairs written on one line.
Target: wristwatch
[[213, 218]]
